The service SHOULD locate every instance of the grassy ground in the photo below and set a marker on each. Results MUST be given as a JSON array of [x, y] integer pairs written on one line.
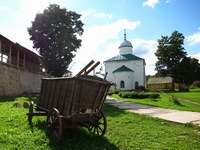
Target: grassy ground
[[193, 95], [165, 102], [125, 131]]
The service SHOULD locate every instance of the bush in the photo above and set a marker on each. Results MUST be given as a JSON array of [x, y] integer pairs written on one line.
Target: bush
[[196, 84], [154, 96], [135, 95], [184, 88], [113, 91], [110, 93], [140, 88]]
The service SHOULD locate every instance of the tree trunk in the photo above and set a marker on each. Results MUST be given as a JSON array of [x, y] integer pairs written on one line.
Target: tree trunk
[[173, 85]]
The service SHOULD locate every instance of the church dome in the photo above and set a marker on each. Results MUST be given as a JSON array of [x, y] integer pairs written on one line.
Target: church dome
[[125, 47], [126, 43]]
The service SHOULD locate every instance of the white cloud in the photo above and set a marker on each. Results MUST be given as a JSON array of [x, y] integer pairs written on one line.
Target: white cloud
[[97, 42], [20, 18], [103, 15], [101, 43], [95, 14], [150, 3], [197, 56], [146, 49], [88, 12], [4, 9], [194, 39]]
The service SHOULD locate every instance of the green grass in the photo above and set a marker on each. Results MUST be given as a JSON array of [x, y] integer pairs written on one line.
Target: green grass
[[125, 131], [163, 102], [193, 95]]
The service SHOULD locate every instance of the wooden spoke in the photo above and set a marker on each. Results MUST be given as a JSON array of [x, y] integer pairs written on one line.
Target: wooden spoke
[[54, 125], [99, 128], [30, 113]]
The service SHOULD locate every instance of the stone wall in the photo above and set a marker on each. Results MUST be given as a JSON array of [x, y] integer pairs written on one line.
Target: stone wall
[[16, 81]]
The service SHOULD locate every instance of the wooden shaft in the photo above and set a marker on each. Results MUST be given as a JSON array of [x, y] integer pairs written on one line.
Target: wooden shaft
[[85, 68], [92, 68]]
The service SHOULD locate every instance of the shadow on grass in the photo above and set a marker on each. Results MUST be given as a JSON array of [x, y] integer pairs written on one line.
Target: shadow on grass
[[7, 98], [111, 111], [14, 98], [78, 138]]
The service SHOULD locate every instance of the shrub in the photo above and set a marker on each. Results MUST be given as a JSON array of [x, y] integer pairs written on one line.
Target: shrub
[[135, 95], [184, 88], [124, 95], [196, 84], [154, 96], [113, 91], [142, 96], [110, 93], [140, 88], [116, 91]]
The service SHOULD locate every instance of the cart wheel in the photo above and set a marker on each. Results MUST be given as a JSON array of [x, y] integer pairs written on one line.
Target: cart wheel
[[30, 113], [54, 125], [100, 127]]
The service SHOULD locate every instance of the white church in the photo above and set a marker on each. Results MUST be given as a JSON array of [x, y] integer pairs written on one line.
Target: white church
[[126, 71]]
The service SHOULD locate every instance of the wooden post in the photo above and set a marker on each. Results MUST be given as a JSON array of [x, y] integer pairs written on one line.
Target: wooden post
[[1, 56], [10, 55], [18, 58], [24, 59]]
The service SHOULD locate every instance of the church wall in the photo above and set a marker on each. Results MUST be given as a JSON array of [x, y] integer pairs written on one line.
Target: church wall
[[138, 74], [127, 77]]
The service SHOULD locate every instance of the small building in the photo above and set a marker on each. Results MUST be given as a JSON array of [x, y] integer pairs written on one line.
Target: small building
[[126, 71], [158, 83], [20, 69]]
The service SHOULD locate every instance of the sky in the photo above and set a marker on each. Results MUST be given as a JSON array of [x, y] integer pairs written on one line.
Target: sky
[[145, 21]]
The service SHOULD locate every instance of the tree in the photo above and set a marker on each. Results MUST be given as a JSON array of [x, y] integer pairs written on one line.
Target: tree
[[188, 71], [170, 52], [54, 34]]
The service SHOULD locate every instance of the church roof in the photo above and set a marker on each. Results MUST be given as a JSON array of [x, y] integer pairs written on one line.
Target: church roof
[[122, 69], [124, 57]]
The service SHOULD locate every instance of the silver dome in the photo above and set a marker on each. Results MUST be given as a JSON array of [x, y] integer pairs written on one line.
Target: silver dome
[[126, 43]]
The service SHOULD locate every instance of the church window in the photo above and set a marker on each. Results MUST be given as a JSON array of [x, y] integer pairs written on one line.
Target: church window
[[122, 84], [136, 85]]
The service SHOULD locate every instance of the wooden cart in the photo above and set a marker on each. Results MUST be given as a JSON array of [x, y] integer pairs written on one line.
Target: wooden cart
[[72, 102]]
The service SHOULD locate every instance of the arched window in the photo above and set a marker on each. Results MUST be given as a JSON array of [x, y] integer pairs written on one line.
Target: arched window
[[136, 85], [122, 84]]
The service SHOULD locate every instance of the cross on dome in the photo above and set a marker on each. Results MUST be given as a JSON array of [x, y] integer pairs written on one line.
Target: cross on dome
[[124, 34]]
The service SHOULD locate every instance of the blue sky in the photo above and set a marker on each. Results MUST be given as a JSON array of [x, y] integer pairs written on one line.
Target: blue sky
[[104, 21]]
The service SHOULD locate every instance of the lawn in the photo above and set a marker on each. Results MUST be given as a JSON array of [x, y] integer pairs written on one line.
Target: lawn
[[193, 95], [165, 102], [125, 131]]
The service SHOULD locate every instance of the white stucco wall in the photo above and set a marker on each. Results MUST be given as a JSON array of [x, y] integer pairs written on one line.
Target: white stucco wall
[[125, 50], [138, 74], [127, 77], [15, 81]]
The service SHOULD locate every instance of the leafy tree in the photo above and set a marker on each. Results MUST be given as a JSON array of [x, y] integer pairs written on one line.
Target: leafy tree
[[188, 70], [54, 34], [170, 52]]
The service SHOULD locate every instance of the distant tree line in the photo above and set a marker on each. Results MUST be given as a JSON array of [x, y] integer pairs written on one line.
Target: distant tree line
[[174, 62]]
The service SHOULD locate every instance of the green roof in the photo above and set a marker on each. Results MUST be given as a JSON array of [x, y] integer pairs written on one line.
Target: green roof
[[122, 69], [124, 58]]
